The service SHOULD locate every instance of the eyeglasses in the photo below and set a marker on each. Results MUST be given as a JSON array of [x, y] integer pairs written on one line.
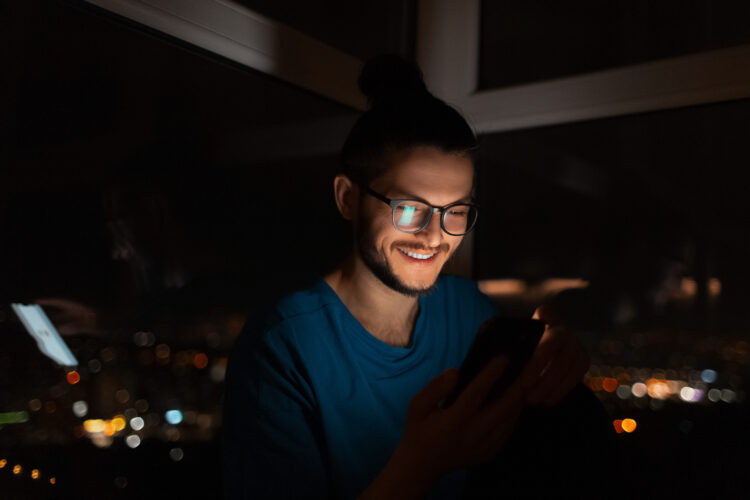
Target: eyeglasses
[[412, 216]]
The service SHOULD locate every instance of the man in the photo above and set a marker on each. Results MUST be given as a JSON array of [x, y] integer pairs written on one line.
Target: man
[[338, 393]]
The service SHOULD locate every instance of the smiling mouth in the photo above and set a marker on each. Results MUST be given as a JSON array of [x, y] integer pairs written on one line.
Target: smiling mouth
[[427, 257]]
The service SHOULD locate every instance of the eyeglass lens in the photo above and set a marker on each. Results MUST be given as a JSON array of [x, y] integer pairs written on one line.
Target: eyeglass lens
[[411, 216]]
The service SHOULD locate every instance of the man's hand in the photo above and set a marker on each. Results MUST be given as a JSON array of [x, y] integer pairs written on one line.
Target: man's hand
[[438, 440], [469, 431], [70, 317], [557, 364]]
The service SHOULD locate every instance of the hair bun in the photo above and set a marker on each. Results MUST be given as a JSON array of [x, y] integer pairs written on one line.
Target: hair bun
[[391, 78]]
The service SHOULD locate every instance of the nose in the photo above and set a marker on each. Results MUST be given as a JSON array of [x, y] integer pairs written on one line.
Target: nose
[[432, 235]]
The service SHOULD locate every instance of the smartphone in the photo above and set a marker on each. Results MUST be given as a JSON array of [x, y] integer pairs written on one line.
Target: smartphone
[[514, 338]]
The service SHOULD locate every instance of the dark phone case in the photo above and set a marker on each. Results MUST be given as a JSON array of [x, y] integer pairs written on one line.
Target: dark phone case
[[514, 338]]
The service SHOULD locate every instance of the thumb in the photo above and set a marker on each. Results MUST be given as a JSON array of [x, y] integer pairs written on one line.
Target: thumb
[[548, 314], [435, 391]]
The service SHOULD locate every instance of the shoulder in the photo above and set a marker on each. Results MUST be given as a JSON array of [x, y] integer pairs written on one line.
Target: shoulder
[[304, 302], [282, 325], [270, 355]]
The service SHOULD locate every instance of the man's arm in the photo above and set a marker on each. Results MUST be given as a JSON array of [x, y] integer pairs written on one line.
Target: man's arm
[[270, 445]]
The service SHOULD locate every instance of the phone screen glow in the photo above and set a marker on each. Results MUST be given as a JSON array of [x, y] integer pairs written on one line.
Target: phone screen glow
[[45, 334]]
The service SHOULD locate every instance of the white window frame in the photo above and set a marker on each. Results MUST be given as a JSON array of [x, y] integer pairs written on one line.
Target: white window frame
[[447, 50]]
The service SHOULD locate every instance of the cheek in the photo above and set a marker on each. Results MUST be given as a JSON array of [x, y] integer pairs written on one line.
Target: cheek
[[381, 230], [376, 233], [384, 237], [453, 244]]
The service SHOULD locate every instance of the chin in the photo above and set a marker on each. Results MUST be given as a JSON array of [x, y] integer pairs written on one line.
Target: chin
[[420, 284]]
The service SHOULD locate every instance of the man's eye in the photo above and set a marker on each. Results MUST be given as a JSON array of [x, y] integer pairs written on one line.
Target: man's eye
[[458, 213]]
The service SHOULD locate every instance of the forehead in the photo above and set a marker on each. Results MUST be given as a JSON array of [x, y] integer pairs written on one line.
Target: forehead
[[431, 174]]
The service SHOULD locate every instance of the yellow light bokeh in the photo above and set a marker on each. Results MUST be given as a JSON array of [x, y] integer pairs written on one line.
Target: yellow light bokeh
[[119, 422], [658, 388], [17, 469], [689, 286], [714, 287], [52, 480], [556, 285], [629, 425], [35, 474], [109, 428], [503, 287], [95, 425], [3, 463]]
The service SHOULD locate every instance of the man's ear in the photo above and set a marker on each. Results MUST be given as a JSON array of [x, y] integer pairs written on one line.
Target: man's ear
[[345, 192]]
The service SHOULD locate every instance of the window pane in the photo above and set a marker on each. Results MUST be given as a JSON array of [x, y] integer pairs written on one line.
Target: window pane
[[536, 40]]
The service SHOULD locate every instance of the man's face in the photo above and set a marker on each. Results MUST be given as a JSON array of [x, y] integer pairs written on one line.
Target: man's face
[[425, 174]]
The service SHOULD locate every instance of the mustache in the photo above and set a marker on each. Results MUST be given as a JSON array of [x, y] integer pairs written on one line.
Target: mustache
[[411, 246]]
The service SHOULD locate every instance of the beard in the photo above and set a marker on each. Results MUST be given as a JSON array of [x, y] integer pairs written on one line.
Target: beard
[[382, 269]]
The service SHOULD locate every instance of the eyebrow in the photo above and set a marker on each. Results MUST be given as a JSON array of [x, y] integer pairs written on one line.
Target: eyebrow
[[402, 195]]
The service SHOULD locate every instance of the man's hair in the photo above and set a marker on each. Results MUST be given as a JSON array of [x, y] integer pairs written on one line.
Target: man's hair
[[402, 115]]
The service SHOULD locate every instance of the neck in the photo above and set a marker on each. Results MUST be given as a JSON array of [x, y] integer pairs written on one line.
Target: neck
[[387, 314]]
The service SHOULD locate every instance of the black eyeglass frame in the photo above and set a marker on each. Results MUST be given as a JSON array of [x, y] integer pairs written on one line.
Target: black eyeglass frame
[[394, 203]]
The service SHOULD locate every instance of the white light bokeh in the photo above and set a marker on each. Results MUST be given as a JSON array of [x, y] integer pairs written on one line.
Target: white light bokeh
[[623, 392], [687, 393], [728, 395], [80, 408], [639, 389], [714, 395], [133, 441], [137, 423]]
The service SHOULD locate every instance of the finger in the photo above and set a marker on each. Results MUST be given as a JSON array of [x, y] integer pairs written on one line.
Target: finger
[[49, 301], [58, 303], [548, 314], [500, 436], [493, 441], [500, 416], [507, 405], [572, 378], [501, 432], [473, 397], [576, 369], [552, 341], [553, 377], [435, 391]]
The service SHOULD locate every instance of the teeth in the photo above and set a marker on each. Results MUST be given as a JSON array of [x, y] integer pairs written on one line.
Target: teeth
[[416, 255]]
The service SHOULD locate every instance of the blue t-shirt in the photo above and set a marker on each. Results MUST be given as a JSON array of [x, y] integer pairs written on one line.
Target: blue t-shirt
[[315, 405]]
